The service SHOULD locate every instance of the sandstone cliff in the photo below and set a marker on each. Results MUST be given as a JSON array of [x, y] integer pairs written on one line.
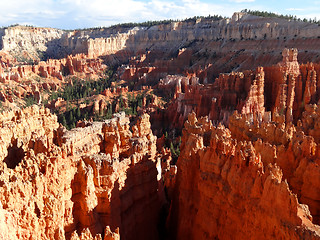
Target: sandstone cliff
[[230, 44], [241, 91], [226, 191], [168, 36], [256, 179], [79, 184], [21, 81], [31, 42]]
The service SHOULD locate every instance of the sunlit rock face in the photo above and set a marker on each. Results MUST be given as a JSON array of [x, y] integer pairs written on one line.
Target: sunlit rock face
[[245, 101], [226, 189], [97, 181]]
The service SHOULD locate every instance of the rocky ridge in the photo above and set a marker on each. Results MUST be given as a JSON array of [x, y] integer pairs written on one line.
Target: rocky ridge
[[268, 137], [30, 42], [20, 80], [235, 40]]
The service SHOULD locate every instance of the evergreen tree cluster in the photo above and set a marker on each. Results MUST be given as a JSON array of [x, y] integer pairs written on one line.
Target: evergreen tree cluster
[[71, 116], [29, 101], [82, 89], [275, 15], [134, 102], [149, 24]]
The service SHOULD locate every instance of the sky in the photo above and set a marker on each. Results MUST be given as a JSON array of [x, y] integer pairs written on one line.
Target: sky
[[73, 14]]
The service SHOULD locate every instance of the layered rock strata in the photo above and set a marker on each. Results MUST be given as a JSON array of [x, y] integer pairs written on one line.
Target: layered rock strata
[[31, 42], [21, 81], [228, 44], [111, 41], [241, 91]]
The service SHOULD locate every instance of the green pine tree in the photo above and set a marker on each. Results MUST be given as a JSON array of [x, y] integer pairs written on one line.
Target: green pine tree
[[78, 113], [64, 121]]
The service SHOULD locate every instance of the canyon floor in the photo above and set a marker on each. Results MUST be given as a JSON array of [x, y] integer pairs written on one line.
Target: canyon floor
[[199, 129]]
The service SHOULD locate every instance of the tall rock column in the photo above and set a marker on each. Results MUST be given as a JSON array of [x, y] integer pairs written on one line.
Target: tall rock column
[[289, 67], [290, 98]]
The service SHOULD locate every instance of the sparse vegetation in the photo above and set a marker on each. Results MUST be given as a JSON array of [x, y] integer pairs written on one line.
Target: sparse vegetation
[[136, 101], [148, 24], [72, 115], [1, 106], [153, 23], [16, 25], [29, 101], [173, 142], [80, 89]]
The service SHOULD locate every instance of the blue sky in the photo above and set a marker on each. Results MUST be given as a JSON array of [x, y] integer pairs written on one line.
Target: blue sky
[[71, 14]]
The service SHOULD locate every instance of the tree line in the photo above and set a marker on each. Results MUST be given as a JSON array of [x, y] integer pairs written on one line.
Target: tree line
[[148, 24], [275, 15], [167, 21], [72, 115]]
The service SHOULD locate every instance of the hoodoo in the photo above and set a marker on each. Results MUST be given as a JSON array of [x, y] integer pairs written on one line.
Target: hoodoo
[[206, 128]]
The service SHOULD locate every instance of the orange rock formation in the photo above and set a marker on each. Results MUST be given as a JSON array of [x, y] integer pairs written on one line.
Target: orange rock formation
[[283, 89], [225, 190], [54, 68], [249, 162], [242, 91], [58, 184]]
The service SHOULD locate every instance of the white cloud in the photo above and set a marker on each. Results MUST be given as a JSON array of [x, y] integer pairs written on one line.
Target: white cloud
[[37, 12], [107, 12], [295, 9]]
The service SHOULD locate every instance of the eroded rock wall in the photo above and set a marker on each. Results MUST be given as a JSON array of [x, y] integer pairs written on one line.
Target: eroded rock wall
[[241, 91], [283, 90], [225, 190], [168, 36], [232, 43], [31, 42], [52, 68], [101, 180]]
